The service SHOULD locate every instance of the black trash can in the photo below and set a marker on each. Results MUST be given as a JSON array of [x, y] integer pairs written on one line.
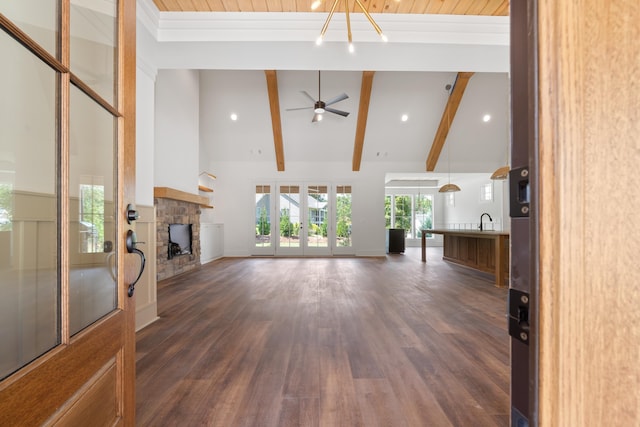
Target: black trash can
[[395, 240]]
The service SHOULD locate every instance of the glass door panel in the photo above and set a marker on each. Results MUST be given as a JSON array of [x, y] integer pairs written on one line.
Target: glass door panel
[[41, 26], [317, 216], [93, 45], [289, 212], [403, 214], [263, 243], [424, 214], [29, 287], [92, 228], [343, 217]]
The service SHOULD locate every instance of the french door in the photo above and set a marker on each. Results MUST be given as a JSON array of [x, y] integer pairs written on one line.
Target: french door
[[302, 219], [67, 146]]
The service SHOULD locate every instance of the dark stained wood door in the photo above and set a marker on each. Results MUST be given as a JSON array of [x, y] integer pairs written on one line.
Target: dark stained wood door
[[87, 376]]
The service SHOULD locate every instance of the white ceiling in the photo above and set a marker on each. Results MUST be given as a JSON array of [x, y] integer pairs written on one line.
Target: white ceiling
[[411, 73]]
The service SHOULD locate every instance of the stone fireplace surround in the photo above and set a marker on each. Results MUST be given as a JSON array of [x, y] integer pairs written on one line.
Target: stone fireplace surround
[[176, 207]]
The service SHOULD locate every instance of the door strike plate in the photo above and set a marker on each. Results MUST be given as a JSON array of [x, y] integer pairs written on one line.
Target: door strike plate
[[519, 315]]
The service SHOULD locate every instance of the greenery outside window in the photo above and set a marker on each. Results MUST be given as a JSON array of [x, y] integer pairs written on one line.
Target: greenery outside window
[[91, 227], [403, 214], [411, 212]]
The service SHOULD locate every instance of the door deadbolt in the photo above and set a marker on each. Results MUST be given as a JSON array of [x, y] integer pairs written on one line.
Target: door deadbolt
[[132, 213]]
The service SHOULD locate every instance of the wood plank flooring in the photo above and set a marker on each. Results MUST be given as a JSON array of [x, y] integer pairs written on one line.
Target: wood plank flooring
[[326, 342]]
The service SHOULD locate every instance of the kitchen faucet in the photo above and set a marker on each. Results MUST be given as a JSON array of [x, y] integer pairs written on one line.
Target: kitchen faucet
[[481, 219]]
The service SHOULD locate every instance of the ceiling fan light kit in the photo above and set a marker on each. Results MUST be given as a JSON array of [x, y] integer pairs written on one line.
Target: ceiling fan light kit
[[320, 106], [373, 23]]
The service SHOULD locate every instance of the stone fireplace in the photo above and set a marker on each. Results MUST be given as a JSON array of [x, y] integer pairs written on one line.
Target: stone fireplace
[[176, 207]]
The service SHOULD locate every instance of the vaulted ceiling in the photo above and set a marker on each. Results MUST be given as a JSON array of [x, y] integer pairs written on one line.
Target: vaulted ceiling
[[445, 73]]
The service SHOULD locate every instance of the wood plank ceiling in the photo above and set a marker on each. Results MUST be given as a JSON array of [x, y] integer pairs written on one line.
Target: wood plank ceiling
[[452, 7]]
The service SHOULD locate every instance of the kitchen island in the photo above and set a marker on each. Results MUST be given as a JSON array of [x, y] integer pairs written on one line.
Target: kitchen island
[[486, 251]]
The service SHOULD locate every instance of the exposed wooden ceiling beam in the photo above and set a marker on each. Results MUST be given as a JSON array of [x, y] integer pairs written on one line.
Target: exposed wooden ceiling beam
[[448, 115], [363, 113], [274, 104]]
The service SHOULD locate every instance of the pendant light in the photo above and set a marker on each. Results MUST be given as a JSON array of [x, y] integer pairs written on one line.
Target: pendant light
[[449, 187], [501, 173]]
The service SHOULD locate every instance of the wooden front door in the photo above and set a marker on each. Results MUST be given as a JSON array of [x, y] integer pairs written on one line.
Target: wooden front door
[[589, 148], [67, 170]]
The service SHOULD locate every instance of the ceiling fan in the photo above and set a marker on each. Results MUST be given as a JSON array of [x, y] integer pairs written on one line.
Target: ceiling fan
[[320, 106]]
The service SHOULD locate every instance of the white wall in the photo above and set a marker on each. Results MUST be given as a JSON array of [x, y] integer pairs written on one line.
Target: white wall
[[176, 155], [468, 207], [235, 188], [145, 134]]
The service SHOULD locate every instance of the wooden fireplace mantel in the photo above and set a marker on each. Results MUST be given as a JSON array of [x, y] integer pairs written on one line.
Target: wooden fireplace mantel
[[183, 196]]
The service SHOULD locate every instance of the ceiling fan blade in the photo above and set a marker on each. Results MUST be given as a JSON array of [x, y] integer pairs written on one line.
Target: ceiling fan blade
[[308, 96], [338, 98], [334, 111], [316, 117], [299, 108]]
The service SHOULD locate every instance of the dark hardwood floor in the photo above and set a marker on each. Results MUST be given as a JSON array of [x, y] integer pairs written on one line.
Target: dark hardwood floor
[[326, 342]]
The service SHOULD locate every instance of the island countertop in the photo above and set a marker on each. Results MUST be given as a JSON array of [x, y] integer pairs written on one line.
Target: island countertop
[[472, 233], [486, 251]]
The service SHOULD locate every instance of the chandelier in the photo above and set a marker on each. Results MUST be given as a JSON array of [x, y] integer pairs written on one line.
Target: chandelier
[[346, 11]]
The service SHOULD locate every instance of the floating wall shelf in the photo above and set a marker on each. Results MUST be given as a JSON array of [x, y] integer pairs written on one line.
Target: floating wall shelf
[[183, 196]]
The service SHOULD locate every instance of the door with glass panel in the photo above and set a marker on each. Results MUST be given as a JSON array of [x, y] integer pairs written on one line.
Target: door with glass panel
[[303, 220], [342, 236], [66, 172], [318, 224], [264, 242]]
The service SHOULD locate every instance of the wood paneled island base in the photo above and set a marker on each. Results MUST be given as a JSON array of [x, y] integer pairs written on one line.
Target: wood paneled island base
[[486, 251]]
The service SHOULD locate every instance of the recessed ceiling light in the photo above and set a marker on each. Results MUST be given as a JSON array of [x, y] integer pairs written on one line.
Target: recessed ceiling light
[[234, 116], [486, 118], [315, 4], [404, 118]]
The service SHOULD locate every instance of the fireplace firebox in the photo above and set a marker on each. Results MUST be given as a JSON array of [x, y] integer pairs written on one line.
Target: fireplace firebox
[[180, 240]]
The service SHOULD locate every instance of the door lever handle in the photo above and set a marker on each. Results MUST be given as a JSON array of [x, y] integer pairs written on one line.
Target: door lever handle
[[131, 248]]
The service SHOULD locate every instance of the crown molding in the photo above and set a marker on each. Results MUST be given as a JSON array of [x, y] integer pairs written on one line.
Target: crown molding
[[148, 15]]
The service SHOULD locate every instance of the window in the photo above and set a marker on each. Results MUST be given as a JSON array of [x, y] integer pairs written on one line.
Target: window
[[486, 192], [387, 211], [343, 216], [317, 207], [423, 213], [403, 214], [263, 216], [6, 206], [411, 212], [91, 227]]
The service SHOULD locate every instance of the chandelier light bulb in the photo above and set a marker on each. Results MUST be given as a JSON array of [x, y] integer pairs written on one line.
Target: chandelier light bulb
[[351, 48], [359, 4], [315, 4]]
